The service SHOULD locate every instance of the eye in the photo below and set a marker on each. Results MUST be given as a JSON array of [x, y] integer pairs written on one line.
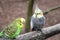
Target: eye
[[20, 23]]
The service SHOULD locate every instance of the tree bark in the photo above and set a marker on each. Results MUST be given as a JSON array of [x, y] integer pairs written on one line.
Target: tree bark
[[29, 14], [51, 9], [48, 32]]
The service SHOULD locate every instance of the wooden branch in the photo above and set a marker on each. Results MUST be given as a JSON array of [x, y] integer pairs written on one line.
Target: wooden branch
[[51, 9], [49, 30], [29, 14]]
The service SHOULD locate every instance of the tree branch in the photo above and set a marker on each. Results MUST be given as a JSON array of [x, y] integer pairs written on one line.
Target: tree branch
[[51, 9], [29, 14], [48, 32]]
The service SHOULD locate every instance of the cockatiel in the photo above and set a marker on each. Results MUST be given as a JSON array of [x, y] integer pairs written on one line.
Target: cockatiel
[[13, 29], [37, 20]]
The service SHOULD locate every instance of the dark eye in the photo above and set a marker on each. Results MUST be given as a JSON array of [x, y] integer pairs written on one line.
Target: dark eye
[[20, 23]]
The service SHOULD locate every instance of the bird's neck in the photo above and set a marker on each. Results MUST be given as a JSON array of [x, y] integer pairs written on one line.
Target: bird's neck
[[39, 16]]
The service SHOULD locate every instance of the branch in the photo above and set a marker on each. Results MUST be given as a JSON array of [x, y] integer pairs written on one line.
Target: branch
[[51, 9], [48, 32], [29, 14]]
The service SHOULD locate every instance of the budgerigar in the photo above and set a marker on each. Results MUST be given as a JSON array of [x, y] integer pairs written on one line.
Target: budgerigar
[[13, 29]]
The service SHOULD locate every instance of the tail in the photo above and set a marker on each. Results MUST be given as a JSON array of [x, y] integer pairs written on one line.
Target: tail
[[1, 33]]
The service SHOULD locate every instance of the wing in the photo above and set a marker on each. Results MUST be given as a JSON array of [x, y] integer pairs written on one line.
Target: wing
[[10, 30], [42, 21], [31, 23]]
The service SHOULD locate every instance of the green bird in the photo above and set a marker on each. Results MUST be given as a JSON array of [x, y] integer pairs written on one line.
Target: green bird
[[13, 29]]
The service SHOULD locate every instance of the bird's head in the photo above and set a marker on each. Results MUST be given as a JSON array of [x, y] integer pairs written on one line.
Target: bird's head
[[21, 21], [38, 12]]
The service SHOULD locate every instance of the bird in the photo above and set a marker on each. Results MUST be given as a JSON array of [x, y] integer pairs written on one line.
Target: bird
[[37, 20], [13, 29]]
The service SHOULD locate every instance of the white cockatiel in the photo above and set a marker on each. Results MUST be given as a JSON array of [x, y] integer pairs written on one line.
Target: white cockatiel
[[37, 20]]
